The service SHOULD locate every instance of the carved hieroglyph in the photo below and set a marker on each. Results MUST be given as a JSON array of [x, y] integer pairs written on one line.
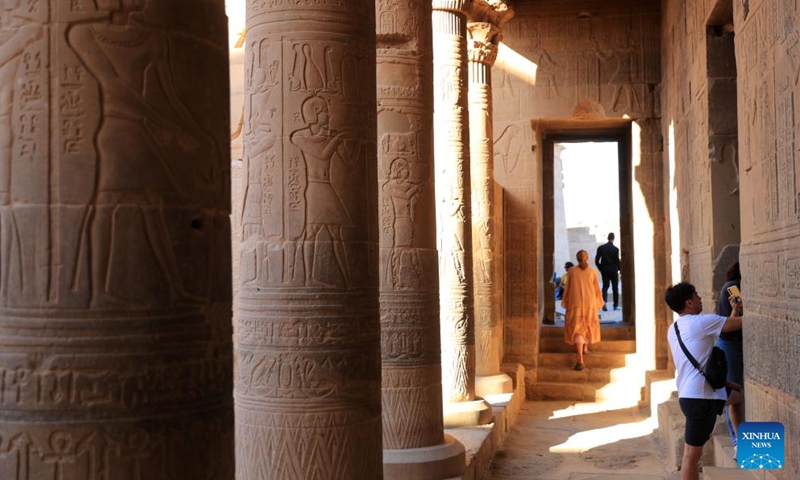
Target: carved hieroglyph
[[482, 52], [114, 282], [307, 386], [451, 152]]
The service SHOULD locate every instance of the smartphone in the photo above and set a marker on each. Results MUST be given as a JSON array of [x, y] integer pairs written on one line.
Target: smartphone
[[734, 290], [737, 297]]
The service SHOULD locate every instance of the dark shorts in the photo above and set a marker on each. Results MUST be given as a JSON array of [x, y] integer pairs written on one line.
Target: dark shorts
[[701, 415]]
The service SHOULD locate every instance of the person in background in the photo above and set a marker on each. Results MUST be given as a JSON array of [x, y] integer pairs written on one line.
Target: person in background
[[731, 343], [563, 281], [607, 260], [582, 299]]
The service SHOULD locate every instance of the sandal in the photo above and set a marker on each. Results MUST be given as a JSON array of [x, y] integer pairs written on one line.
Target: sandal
[[578, 366]]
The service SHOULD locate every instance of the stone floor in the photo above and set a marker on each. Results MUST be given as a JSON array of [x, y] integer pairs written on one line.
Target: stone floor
[[563, 440]]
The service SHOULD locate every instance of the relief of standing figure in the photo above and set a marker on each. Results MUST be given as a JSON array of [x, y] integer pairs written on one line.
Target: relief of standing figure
[[403, 193], [325, 210], [147, 145]]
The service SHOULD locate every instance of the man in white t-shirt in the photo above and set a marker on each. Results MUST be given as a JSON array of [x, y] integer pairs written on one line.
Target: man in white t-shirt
[[699, 402]]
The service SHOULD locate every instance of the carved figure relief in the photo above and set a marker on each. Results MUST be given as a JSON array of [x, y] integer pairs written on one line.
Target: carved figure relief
[[508, 147], [452, 213], [402, 194], [325, 212], [449, 85], [621, 59], [546, 82], [148, 147], [395, 18]]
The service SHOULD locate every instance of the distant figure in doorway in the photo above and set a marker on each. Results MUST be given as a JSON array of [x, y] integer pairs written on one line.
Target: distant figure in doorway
[[562, 282], [731, 343], [607, 260], [582, 299]]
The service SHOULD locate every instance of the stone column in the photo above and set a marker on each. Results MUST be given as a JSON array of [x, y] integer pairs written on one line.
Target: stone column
[[414, 443], [115, 292], [484, 35], [307, 387], [451, 153]]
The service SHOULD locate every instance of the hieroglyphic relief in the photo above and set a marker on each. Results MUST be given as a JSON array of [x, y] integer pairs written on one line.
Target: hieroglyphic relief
[[573, 58], [620, 60], [175, 158], [294, 246], [325, 211], [399, 22], [508, 147], [785, 151], [122, 451], [400, 194], [24, 125]]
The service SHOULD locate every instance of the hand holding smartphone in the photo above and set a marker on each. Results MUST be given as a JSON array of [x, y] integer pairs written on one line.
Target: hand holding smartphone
[[734, 291]]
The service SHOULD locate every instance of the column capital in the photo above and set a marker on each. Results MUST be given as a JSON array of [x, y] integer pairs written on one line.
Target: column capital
[[496, 12], [456, 6], [482, 41]]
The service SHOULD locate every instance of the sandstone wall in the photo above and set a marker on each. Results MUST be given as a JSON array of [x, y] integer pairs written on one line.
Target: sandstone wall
[[553, 57], [767, 65]]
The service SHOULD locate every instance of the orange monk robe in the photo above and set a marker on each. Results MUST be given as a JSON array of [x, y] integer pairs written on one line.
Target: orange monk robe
[[582, 299]]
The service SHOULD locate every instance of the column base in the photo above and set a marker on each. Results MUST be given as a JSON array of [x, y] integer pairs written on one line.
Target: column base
[[429, 463], [488, 385], [467, 414]]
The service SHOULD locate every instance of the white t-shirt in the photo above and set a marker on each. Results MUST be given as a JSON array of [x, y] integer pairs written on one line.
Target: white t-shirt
[[699, 334]]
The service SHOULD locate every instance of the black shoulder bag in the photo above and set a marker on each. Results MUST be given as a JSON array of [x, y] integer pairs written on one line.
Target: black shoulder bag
[[716, 371]]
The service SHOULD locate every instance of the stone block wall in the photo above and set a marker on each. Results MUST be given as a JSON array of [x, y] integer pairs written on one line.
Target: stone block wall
[[765, 161]]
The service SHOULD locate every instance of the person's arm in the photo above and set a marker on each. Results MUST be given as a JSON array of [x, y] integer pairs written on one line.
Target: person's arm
[[733, 386], [733, 322], [598, 256]]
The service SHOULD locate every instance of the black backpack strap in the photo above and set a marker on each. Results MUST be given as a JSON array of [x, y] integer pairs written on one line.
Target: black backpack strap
[[686, 350]]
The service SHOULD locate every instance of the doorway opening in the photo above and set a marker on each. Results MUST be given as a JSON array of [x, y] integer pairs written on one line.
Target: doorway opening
[[586, 197]]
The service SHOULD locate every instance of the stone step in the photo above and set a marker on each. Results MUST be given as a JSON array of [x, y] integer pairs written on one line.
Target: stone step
[[593, 360], [624, 332], [723, 451], [671, 424], [568, 375], [658, 388], [558, 345], [720, 473], [586, 392]]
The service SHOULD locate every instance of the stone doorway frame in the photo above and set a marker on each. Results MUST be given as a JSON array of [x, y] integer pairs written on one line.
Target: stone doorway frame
[[550, 132]]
